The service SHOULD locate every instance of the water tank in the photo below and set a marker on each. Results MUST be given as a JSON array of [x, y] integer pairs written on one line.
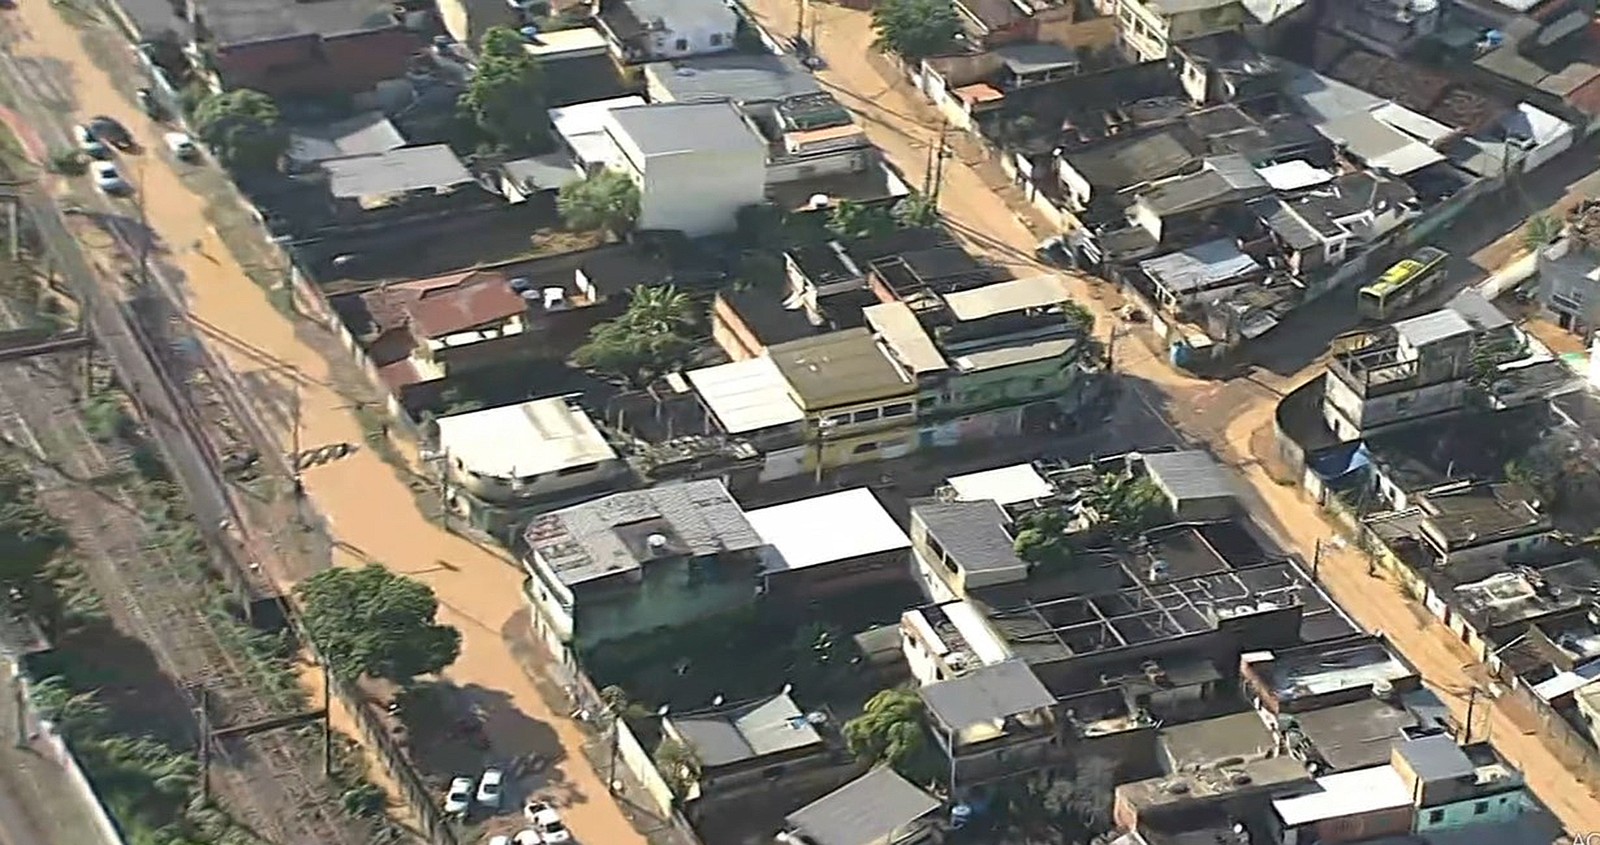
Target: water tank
[[1382, 688], [960, 814], [656, 542]]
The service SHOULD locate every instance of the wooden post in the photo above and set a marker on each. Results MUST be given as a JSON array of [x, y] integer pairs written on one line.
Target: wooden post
[[327, 720], [205, 745]]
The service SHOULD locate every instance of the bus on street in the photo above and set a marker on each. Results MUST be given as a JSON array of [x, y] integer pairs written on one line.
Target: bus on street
[[1403, 284]]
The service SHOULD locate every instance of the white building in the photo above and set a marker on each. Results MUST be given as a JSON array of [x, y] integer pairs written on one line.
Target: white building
[[514, 454], [696, 164], [651, 30]]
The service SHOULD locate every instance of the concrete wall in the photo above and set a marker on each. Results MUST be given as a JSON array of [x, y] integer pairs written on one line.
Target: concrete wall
[[699, 193], [1494, 809]]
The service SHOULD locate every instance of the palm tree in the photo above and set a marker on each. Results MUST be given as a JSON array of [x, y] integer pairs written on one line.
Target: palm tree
[[659, 310], [1540, 230]]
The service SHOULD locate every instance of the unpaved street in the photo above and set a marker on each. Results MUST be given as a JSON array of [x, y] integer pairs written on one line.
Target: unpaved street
[[1231, 416], [371, 511]]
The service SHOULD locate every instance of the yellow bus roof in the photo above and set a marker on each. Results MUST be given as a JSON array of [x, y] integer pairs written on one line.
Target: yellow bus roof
[[1397, 276]]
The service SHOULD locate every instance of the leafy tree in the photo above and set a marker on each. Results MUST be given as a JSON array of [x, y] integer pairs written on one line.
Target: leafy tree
[[889, 729], [1079, 317], [505, 98], [30, 537], [851, 219], [1129, 505], [607, 200], [916, 29], [75, 714], [374, 622], [649, 339], [916, 212], [1540, 230], [243, 127], [1041, 540]]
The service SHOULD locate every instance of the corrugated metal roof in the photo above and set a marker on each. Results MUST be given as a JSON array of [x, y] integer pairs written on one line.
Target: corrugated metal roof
[[900, 329], [986, 696], [1199, 267], [871, 808], [395, 172], [1433, 327], [1190, 474]]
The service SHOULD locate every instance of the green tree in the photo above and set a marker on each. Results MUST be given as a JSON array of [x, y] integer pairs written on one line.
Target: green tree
[[916, 212], [850, 219], [649, 339], [1129, 505], [243, 128], [607, 200], [371, 621], [889, 729], [916, 29], [1041, 540], [1540, 229], [678, 765], [76, 714], [30, 537], [505, 98]]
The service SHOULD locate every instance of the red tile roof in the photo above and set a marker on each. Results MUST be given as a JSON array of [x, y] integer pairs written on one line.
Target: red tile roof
[[444, 305]]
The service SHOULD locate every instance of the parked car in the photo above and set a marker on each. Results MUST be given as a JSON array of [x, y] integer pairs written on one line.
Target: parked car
[[108, 180], [491, 788], [87, 143], [458, 800], [110, 131], [500, 839], [547, 822], [182, 146], [527, 836]]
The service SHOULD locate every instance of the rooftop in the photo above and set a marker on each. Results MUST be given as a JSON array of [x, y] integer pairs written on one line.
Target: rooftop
[[825, 263], [523, 441], [395, 171], [363, 134], [560, 43], [745, 732], [629, 18], [740, 77], [1346, 794], [1322, 669], [1189, 474], [622, 532], [444, 305], [1204, 743], [1523, 594], [747, 395], [1200, 267], [1436, 758], [235, 22], [1471, 514], [1355, 735], [1026, 58], [1220, 179], [1004, 485], [1007, 297], [906, 338], [978, 703], [1126, 163], [870, 809], [666, 129], [1204, 786], [768, 316], [838, 368], [1433, 327], [830, 528], [973, 534]]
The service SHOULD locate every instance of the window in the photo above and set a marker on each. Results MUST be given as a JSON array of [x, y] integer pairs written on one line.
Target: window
[[864, 448], [837, 419], [681, 44], [898, 410], [868, 415], [716, 39], [1435, 816], [1480, 808]]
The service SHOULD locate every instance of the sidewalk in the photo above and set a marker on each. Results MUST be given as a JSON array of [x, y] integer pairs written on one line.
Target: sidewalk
[[367, 505]]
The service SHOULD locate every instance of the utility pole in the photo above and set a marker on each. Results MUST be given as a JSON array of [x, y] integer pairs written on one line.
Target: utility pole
[[144, 230], [20, 703], [1472, 703], [800, 24], [1316, 559], [294, 437], [205, 744], [938, 168], [16, 240], [327, 720]]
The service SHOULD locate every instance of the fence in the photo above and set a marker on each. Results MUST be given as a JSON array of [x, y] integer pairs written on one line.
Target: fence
[[62, 755]]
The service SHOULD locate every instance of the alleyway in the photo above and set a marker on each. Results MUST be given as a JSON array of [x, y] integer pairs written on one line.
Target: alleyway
[[1234, 417], [371, 512]]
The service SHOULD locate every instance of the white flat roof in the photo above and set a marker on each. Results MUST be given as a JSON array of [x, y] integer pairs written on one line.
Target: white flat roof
[[586, 118], [907, 339], [976, 632], [1346, 794], [747, 395], [516, 441], [824, 529], [1005, 485], [553, 44], [1006, 297]]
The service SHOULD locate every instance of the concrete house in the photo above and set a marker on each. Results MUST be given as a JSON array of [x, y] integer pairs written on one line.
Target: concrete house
[[1149, 28], [696, 164], [653, 30], [304, 49]]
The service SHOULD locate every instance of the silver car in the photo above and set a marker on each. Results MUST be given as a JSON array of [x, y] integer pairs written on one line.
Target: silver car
[[108, 180]]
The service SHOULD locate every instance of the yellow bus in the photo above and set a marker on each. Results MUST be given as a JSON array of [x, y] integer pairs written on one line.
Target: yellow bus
[[1403, 283]]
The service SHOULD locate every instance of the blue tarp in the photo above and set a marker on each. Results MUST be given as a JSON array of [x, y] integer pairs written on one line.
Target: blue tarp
[[1341, 461]]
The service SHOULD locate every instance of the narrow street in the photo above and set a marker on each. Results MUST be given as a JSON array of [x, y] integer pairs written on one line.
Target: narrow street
[[1234, 417], [370, 510]]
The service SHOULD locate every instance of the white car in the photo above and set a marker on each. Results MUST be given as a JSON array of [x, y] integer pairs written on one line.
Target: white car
[[491, 788], [458, 800], [181, 146], [87, 143], [528, 836], [107, 179], [500, 839], [547, 823]]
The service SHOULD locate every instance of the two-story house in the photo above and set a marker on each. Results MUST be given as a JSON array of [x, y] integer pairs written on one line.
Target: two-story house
[[1149, 28], [630, 563], [508, 458], [1171, 208], [696, 164], [654, 30], [859, 403], [1319, 229], [1460, 787], [1569, 283], [992, 722], [1412, 370], [299, 49]]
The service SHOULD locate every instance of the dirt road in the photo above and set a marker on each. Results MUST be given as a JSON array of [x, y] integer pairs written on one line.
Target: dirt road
[[370, 510], [1228, 415]]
